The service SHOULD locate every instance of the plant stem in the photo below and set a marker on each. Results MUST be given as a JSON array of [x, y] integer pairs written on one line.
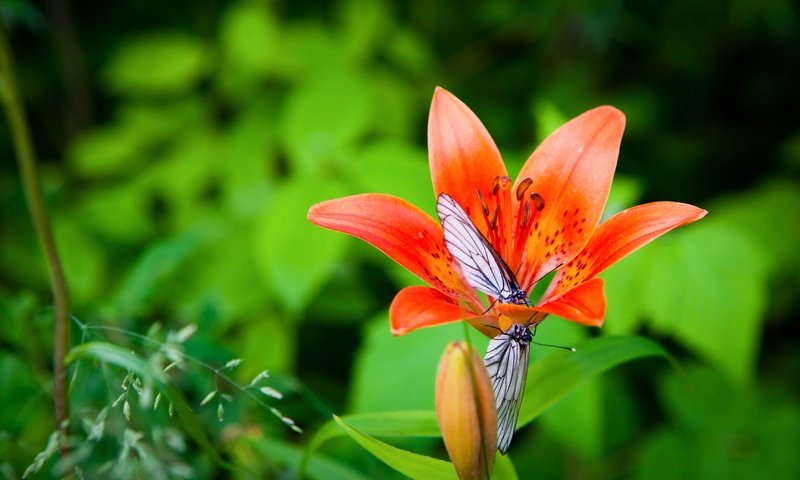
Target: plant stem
[[26, 157]]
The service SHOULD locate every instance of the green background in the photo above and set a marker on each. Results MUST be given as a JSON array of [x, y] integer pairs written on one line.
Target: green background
[[181, 144]]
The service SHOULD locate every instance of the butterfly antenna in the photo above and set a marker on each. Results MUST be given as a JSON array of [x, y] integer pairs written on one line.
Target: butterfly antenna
[[490, 307], [495, 327], [571, 349]]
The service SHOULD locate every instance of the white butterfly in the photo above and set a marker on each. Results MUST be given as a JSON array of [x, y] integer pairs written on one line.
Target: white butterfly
[[482, 266], [506, 361], [506, 357]]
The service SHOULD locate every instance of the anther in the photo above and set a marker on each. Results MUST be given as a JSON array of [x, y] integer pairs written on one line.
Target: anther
[[522, 187], [538, 201]]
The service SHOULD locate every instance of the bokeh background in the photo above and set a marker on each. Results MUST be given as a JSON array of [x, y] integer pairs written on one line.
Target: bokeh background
[[181, 144]]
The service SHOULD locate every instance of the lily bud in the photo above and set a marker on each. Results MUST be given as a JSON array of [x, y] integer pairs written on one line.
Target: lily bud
[[465, 408]]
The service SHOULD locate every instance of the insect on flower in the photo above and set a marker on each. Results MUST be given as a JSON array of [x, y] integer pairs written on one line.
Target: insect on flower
[[501, 237], [507, 355]]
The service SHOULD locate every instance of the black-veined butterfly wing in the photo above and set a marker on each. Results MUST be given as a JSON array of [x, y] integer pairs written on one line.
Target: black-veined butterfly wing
[[482, 266], [506, 362]]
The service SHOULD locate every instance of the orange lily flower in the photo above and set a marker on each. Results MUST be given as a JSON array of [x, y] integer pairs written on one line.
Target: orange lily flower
[[547, 220]]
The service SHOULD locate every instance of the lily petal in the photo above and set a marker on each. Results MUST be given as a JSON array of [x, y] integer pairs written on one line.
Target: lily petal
[[572, 172], [417, 307], [620, 235], [584, 304], [463, 157], [400, 230]]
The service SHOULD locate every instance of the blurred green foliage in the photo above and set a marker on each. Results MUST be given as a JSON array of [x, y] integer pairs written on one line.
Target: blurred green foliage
[[182, 144]]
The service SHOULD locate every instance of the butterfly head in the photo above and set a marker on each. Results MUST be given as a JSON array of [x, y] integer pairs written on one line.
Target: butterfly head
[[517, 297], [519, 333]]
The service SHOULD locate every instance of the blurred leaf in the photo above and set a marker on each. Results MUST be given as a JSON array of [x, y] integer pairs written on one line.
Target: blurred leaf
[[320, 468], [397, 169], [410, 464], [625, 193], [397, 107], [558, 373], [270, 340], [763, 212], [119, 212], [397, 373], [625, 289], [157, 63], [250, 38], [293, 256], [722, 430], [707, 277], [83, 261], [193, 160], [323, 116], [309, 48], [411, 53], [365, 25], [124, 146], [580, 410], [105, 151], [248, 151], [157, 266], [221, 272], [548, 117]]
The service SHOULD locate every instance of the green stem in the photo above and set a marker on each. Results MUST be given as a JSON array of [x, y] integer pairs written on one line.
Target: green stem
[[26, 157]]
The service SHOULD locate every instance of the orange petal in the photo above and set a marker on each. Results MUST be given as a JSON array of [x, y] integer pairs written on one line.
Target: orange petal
[[620, 235], [417, 307], [398, 229], [584, 304], [571, 171], [463, 156]]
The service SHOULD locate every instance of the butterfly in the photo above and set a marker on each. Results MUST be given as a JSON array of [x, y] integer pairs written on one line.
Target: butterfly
[[507, 356], [506, 362], [482, 266]]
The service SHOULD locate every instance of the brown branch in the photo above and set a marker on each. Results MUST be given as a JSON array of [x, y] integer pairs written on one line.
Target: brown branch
[[26, 157]]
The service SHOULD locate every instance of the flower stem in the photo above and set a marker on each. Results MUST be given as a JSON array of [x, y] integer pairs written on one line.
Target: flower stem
[[26, 157]]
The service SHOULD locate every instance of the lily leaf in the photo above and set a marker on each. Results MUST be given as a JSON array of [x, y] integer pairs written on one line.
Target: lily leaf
[[289, 455], [410, 464], [412, 423], [555, 375]]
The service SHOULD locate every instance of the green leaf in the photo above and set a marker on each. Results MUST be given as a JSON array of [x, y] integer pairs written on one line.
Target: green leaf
[[324, 116], [503, 468], [410, 464], [250, 37], [154, 269], [580, 409], [414, 423], [395, 168], [708, 288], [625, 291], [552, 377], [288, 455], [293, 256], [397, 373], [760, 214], [157, 63]]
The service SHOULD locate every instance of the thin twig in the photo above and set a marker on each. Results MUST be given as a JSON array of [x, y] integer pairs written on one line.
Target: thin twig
[[26, 157]]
